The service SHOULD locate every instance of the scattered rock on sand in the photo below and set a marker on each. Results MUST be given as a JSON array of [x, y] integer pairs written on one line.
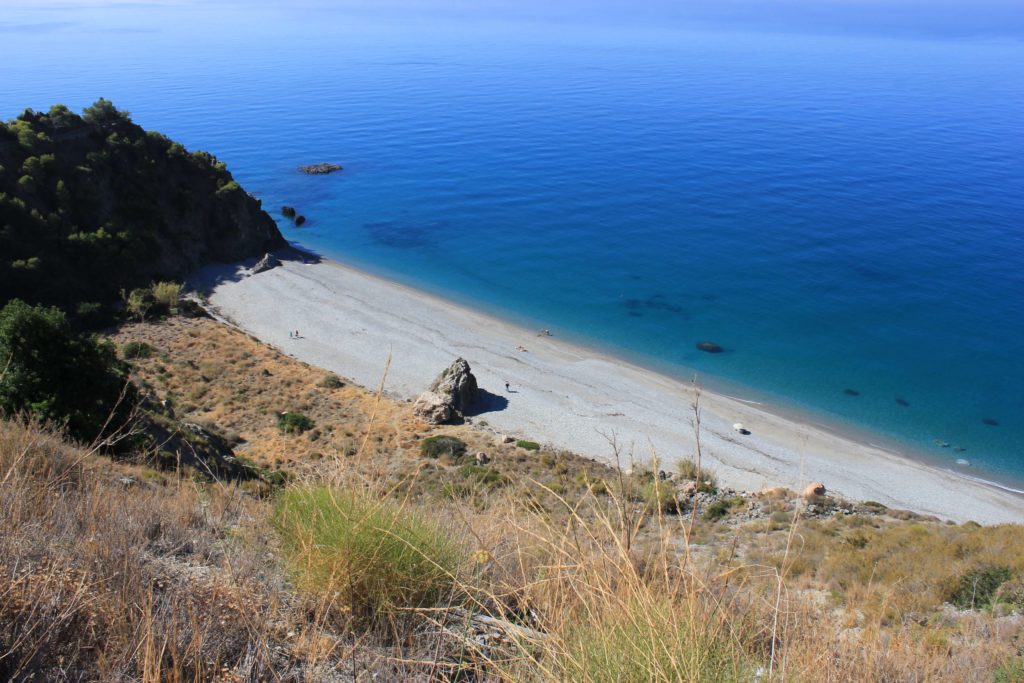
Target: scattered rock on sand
[[814, 491], [266, 263], [451, 394], [709, 347]]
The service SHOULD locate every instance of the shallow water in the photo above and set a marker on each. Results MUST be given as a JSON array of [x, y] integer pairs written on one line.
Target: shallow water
[[844, 214]]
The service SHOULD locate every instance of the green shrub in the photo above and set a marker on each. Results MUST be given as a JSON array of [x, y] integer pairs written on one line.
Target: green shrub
[[661, 495], [1011, 671], [167, 294], [705, 478], [977, 587], [380, 557], [637, 642], [294, 423], [528, 445], [483, 477], [331, 381], [436, 446], [134, 350], [716, 510], [52, 372]]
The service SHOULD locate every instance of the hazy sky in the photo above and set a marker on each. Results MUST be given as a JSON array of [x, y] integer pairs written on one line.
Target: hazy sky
[[930, 18]]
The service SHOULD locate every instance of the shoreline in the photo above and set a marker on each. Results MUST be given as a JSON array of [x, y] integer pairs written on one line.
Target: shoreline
[[570, 396]]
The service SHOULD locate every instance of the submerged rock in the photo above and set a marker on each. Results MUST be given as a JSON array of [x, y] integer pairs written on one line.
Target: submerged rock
[[709, 347], [902, 402], [990, 422], [266, 263], [299, 220], [851, 392], [450, 396], [320, 169], [288, 211]]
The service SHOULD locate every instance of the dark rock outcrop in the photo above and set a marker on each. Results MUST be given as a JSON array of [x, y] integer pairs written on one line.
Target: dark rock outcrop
[[450, 396]]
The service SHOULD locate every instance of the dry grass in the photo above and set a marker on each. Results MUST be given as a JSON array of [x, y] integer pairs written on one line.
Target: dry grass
[[563, 570]]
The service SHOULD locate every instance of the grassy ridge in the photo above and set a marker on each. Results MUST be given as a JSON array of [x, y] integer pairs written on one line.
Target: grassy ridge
[[362, 566]]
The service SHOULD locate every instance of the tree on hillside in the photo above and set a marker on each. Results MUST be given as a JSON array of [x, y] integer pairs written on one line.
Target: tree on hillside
[[55, 374]]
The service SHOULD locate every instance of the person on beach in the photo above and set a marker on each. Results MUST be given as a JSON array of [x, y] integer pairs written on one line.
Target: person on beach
[[508, 387]]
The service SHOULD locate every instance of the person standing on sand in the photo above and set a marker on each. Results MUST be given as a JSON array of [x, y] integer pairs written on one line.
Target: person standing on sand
[[508, 387]]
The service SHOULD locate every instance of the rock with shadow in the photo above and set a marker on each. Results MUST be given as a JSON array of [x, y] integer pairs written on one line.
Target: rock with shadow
[[450, 396]]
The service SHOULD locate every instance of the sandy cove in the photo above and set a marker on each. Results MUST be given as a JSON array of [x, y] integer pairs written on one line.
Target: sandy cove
[[568, 396]]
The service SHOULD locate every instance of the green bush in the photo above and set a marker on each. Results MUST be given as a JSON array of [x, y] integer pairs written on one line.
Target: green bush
[[134, 350], [716, 510], [528, 445], [637, 642], [380, 557], [483, 477], [331, 381], [52, 372], [661, 495], [294, 423], [436, 446], [977, 587], [167, 294], [705, 478], [1011, 671]]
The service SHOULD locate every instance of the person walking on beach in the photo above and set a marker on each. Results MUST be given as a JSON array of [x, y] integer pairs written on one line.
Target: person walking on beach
[[508, 387]]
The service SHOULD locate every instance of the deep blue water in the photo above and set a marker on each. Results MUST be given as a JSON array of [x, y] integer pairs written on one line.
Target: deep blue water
[[838, 210]]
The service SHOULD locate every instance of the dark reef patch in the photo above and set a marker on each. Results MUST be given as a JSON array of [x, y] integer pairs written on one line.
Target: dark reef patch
[[709, 347], [655, 302], [903, 402], [405, 234], [851, 392], [990, 422]]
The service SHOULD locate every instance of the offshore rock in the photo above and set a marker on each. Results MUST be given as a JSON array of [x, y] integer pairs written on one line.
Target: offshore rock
[[450, 396], [320, 169]]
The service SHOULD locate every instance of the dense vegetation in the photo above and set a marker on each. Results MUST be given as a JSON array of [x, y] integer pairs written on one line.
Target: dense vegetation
[[49, 370], [92, 205]]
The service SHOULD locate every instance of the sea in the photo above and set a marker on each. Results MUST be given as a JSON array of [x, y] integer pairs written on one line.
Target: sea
[[836, 200]]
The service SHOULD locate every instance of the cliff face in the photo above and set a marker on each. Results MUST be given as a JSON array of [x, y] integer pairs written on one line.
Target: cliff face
[[92, 204]]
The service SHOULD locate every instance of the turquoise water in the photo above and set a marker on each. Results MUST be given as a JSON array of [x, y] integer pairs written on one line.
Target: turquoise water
[[839, 211]]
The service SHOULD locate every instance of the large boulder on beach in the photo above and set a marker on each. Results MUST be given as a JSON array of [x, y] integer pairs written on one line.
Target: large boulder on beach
[[266, 263], [450, 396]]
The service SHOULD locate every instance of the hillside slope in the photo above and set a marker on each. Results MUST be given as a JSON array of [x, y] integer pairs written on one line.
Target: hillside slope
[[93, 204]]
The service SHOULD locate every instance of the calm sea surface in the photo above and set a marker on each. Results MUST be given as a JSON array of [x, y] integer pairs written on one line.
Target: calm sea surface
[[844, 214]]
